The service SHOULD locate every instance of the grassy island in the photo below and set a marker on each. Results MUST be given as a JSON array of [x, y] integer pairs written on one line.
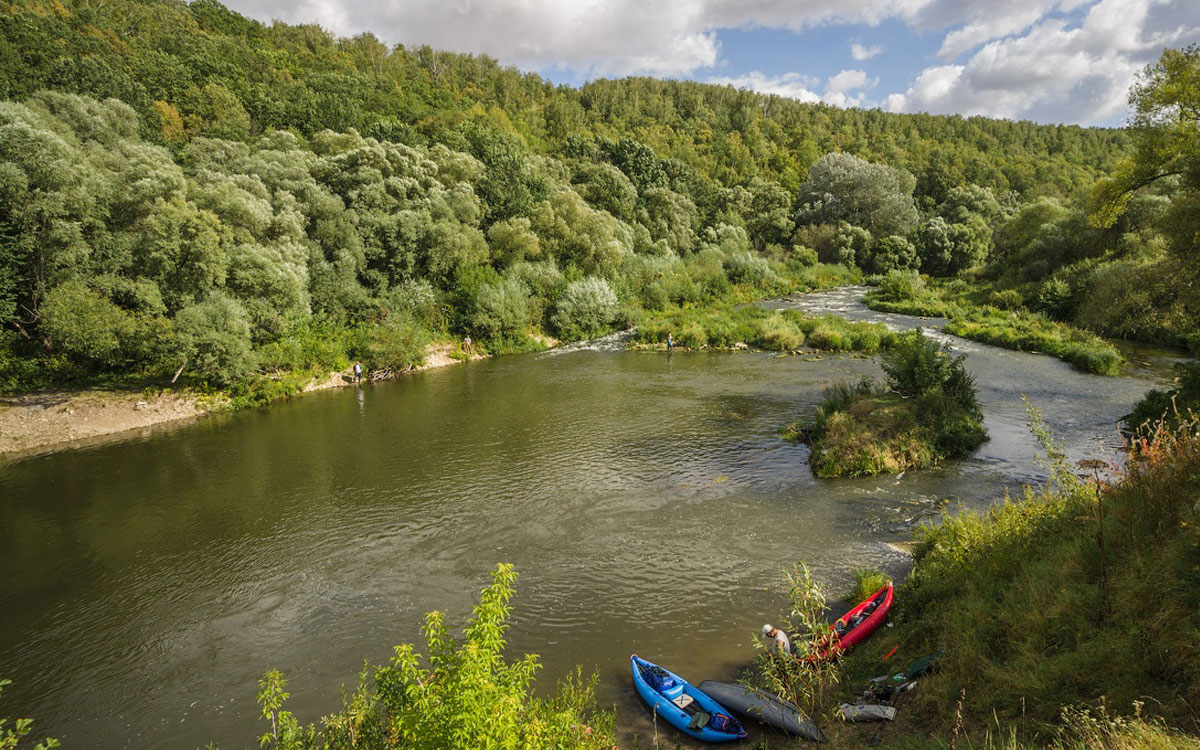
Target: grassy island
[[729, 327], [999, 318], [927, 411]]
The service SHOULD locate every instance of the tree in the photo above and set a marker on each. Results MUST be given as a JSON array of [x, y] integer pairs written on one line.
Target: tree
[[1166, 129], [842, 187], [947, 249], [214, 339], [587, 308]]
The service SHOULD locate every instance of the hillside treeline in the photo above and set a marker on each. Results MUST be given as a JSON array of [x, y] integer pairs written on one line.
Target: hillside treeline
[[187, 191]]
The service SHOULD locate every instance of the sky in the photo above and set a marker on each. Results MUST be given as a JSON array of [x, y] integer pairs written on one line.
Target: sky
[[1050, 61]]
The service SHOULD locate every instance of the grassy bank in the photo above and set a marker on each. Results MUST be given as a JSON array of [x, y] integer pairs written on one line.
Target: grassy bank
[[999, 318], [1081, 594], [728, 327], [926, 412]]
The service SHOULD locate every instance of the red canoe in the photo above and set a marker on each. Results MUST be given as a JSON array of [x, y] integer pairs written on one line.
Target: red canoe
[[856, 625]]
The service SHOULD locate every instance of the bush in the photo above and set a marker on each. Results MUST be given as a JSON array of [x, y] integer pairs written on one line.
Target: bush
[[1033, 616], [928, 412], [397, 343], [746, 268], [586, 309], [1171, 406], [693, 336], [803, 256], [465, 695], [898, 286], [501, 311], [214, 336], [1009, 299], [777, 333]]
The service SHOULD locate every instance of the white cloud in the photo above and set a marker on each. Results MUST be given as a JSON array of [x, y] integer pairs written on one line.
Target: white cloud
[[860, 53], [840, 89], [791, 85], [1054, 71]]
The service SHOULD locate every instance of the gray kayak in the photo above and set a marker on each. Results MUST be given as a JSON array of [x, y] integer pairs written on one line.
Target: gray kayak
[[762, 706]]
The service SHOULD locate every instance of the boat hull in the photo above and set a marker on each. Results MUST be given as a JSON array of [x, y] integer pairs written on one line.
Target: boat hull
[[758, 705]]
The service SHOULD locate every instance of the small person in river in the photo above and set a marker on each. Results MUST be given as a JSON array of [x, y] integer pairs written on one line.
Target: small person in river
[[779, 640], [358, 372], [670, 341]]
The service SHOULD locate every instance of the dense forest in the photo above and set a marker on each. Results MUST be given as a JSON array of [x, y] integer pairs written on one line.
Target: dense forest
[[190, 192]]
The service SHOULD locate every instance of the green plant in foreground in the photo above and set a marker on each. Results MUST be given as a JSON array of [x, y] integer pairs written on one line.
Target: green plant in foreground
[[809, 686], [461, 696], [866, 582], [10, 736]]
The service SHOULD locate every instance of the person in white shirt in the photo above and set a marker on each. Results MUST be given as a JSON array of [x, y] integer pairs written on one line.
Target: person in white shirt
[[780, 643]]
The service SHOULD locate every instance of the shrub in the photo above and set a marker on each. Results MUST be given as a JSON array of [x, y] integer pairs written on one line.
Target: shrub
[[1009, 299], [747, 268], [586, 309], [898, 286], [803, 256], [501, 311], [214, 336], [464, 695], [396, 343], [777, 333], [693, 336], [916, 365], [84, 324], [928, 411]]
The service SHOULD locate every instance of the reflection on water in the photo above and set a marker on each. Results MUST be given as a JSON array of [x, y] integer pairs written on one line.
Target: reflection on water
[[646, 501]]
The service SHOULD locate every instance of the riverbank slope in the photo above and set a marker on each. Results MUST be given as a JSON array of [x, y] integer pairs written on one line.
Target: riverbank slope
[[1078, 597]]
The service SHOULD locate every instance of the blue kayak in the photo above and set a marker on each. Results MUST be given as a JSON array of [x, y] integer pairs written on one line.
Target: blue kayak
[[683, 705]]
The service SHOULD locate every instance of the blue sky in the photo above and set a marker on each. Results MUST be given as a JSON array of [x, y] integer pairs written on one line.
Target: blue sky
[[1068, 61]]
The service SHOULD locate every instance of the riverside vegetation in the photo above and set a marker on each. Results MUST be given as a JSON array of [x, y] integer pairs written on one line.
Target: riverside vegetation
[[927, 411], [264, 202], [1066, 615], [1050, 608], [978, 312]]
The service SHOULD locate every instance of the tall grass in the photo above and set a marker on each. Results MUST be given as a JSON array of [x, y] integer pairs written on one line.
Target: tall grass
[[995, 317], [727, 327], [1075, 592]]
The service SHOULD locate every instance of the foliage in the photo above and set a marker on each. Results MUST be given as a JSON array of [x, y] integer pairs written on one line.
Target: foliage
[[306, 176], [587, 308], [460, 695], [11, 736], [214, 337], [1171, 406], [808, 685], [396, 344], [727, 327], [996, 317], [927, 412], [843, 187], [866, 582], [1033, 332], [1033, 616]]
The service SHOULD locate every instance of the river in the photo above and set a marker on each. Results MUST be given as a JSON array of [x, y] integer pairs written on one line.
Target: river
[[645, 500]]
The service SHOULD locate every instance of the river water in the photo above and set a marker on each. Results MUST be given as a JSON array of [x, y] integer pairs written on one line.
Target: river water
[[645, 500]]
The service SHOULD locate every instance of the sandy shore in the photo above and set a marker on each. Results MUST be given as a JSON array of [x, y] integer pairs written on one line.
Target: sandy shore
[[38, 422]]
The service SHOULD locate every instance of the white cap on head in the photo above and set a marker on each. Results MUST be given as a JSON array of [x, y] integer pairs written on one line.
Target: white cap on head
[[767, 630]]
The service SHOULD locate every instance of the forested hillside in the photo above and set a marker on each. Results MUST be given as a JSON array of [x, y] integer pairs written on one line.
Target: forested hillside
[[187, 190]]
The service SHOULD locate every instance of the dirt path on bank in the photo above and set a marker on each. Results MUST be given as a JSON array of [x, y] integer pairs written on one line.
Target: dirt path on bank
[[37, 422]]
